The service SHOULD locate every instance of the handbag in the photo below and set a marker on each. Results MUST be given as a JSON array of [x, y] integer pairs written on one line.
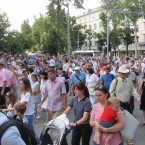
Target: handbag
[[91, 91], [131, 125]]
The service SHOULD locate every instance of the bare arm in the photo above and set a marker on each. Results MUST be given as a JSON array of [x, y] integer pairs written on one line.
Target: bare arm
[[43, 99], [92, 122], [140, 87], [67, 111], [4, 86], [65, 100], [117, 127]]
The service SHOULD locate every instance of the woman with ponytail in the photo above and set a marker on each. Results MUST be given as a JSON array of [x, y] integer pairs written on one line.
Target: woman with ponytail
[[81, 106]]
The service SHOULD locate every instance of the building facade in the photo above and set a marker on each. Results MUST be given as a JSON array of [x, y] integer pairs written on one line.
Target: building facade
[[92, 21]]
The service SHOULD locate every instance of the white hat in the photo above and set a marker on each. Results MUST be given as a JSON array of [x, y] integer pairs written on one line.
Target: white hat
[[123, 69], [77, 68], [2, 63]]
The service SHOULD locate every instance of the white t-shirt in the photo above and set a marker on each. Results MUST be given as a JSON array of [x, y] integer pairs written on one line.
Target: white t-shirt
[[65, 66], [52, 62], [91, 80], [143, 66], [11, 135], [30, 105]]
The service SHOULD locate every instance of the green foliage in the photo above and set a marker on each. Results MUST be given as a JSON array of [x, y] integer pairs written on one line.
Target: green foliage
[[89, 35], [4, 25], [101, 39], [127, 35], [48, 33]]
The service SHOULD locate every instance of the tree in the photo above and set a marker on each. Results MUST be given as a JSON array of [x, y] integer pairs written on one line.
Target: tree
[[4, 25], [127, 35], [26, 32], [76, 34], [89, 35]]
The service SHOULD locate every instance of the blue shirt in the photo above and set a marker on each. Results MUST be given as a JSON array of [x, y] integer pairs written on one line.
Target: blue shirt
[[81, 78], [107, 79]]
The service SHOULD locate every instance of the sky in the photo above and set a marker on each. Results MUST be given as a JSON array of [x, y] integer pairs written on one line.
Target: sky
[[19, 10]]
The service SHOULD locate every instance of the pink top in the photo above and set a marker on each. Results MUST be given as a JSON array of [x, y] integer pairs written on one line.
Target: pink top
[[4, 76], [14, 77], [96, 114], [55, 94]]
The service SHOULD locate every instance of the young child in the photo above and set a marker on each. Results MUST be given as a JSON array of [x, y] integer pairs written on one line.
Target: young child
[[36, 95], [20, 109], [11, 100], [109, 117]]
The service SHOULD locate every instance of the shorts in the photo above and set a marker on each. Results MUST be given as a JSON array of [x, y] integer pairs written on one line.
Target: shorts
[[106, 124]]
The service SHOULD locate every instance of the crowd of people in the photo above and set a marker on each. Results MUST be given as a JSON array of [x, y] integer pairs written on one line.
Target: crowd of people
[[30, 85]]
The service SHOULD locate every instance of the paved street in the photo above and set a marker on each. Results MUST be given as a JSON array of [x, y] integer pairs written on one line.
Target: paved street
[[139, 138]]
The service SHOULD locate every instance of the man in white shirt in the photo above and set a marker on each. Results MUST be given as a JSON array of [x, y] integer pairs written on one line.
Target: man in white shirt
[[52, 63]]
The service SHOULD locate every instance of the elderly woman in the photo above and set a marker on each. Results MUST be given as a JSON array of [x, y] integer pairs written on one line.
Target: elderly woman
[[97, 110]]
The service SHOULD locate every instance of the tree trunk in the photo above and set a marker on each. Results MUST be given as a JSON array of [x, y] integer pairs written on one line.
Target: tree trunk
[[127, 50]]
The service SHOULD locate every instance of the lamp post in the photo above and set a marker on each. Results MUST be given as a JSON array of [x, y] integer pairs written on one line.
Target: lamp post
[[68, 32], [109, 13]]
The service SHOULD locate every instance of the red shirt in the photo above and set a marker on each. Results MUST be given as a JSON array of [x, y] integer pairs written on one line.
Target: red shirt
[[108, 115]]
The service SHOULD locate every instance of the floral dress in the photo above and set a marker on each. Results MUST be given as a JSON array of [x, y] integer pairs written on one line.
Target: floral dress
[[96, 114]]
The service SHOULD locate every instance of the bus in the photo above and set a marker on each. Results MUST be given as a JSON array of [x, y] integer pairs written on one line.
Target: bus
[[90, 53]]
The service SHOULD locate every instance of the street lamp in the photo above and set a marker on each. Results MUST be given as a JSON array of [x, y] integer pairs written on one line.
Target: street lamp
[[68, 32]]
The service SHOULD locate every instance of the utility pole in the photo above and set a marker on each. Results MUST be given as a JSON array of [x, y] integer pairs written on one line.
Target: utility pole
[[68, 32], [135, 29], [78, 40]]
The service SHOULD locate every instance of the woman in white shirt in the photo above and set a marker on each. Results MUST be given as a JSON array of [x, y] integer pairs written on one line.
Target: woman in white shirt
[[44, 78], [92, 81], [27, 99]]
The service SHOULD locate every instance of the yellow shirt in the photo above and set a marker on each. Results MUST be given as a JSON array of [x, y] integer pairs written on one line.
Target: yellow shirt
[[124, 89]]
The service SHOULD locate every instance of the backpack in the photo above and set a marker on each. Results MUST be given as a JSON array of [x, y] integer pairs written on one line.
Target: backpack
[[26, 133]]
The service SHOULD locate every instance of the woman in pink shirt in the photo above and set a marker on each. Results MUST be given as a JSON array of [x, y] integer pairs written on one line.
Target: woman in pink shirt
[[97, 110], [14, 81]]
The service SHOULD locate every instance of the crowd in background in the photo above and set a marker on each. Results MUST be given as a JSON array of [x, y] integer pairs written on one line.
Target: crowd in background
[[44, 83]]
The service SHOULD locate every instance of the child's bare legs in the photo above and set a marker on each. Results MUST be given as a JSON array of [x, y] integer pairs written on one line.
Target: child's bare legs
[[98, 137], [108, 139]]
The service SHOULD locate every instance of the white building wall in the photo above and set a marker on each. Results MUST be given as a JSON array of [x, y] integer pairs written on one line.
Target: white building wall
[[91, 19]]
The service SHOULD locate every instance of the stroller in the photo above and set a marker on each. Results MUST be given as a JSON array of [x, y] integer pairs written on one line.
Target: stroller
[[55, 132]]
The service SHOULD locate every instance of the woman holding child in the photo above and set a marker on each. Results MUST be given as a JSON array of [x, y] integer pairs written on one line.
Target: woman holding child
[[102, 135]]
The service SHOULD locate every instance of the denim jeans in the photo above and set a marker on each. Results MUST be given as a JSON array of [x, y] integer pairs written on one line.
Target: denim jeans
[[98, 144], [30, 119]]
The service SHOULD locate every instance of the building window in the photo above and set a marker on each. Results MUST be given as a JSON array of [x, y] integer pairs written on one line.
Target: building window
[[95, 26], [90, 27], [86, 44]]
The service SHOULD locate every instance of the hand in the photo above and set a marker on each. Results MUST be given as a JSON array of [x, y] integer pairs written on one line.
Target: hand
[[40, 104], [4, 111], [102, 129], [72, 124], [97, 125]]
